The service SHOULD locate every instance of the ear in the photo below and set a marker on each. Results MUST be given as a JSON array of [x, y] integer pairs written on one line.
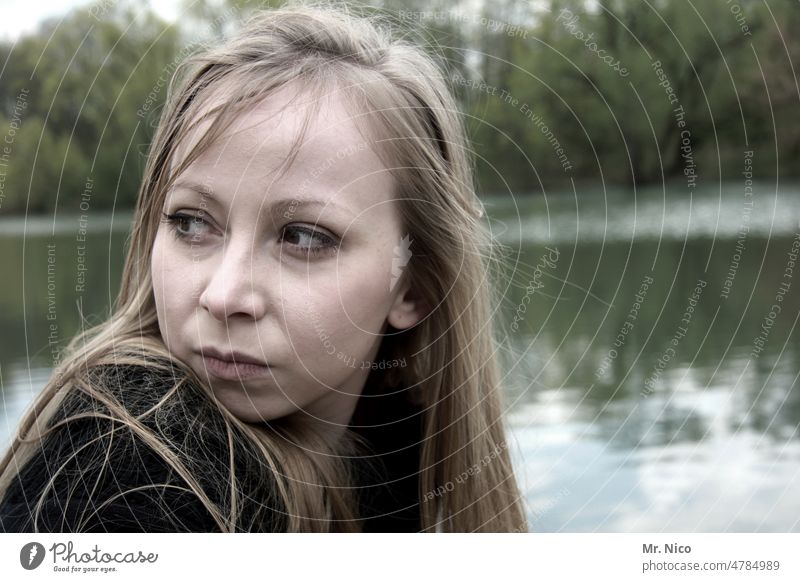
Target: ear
[[408, 307]]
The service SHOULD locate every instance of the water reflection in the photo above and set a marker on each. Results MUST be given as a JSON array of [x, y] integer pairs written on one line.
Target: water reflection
[[656, 413], [18, 387], [653, 429]]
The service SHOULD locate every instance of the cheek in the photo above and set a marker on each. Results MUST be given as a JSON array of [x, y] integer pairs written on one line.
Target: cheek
[[363, 290], [341, 318], [328, 342], [157, 274], [170, 270], [171, 285]]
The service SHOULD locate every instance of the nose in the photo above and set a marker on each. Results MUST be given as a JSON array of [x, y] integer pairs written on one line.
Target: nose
[[234, 283]]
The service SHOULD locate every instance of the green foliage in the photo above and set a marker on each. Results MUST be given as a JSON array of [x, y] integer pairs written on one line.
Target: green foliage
[[85, 79], [43, 167], [625, 128], [554, 106]]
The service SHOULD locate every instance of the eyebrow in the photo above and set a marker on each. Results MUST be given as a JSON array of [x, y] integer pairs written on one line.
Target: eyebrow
[[278, 207]]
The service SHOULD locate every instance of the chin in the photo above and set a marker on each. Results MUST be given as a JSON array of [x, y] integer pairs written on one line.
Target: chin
[[244, 410]]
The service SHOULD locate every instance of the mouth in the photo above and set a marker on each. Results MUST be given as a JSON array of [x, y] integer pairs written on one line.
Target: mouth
[[233, 365]]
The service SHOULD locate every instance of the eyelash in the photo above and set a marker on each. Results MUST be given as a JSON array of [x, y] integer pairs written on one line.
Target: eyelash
[[329, 248]]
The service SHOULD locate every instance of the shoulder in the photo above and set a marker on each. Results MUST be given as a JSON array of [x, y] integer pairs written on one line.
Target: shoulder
[[145, 451], [389, 474]]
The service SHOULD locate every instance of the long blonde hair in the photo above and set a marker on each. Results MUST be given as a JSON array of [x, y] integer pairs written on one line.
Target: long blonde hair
[[466, 481]]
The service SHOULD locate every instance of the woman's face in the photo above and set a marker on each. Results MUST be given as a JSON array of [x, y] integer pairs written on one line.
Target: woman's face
[[293, 272]]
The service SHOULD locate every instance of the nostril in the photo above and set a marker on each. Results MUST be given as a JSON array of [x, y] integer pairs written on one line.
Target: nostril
[[224, 300]]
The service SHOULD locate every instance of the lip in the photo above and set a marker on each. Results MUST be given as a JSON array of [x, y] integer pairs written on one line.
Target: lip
[[233, 365], [238, 357]]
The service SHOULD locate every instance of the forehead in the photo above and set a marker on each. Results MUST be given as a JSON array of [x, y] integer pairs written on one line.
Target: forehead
[[334, 154]]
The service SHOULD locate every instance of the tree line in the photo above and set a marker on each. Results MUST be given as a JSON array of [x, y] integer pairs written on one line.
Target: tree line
[[563, 92]]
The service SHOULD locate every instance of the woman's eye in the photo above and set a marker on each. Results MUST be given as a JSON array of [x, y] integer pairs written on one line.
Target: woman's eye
[[308, 241], [187, 226], [304, 240]]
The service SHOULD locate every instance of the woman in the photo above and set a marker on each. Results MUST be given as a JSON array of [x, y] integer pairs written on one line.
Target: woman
[[302, 340]]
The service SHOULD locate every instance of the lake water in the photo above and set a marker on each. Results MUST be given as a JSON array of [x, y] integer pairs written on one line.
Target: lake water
[[651, 383]]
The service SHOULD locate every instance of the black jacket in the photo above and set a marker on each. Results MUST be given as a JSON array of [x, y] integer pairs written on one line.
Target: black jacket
[[105, 478]]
